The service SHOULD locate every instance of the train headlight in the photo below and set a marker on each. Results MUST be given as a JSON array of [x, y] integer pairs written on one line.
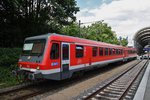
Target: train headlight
[[38, 67], [20, 66], [20, 60]]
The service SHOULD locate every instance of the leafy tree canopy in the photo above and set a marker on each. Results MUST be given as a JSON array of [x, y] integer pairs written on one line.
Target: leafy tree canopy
[[22, 18], [124, 42], [98, 31]]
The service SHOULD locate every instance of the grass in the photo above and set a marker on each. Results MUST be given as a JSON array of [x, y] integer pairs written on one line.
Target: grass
[[6, 77]]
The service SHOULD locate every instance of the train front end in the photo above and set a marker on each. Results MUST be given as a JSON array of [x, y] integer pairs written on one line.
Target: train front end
[[31, 60]]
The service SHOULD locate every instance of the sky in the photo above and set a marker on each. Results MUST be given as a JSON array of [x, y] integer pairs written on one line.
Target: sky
[[125, 17]]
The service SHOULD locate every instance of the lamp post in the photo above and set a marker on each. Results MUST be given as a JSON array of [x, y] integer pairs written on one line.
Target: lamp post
[[79, 27]]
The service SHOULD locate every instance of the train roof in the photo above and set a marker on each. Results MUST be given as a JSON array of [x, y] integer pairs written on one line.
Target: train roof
[[44, 36], [65, 38]]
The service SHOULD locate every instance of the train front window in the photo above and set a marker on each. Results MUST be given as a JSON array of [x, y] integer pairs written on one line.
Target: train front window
[[38, 48], [28, 46], [33, 47]]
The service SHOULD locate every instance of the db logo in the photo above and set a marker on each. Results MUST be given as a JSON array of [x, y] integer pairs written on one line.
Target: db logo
[[28, 66], [79, 61]]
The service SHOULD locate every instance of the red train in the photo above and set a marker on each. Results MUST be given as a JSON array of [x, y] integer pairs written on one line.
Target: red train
[[58, 57]]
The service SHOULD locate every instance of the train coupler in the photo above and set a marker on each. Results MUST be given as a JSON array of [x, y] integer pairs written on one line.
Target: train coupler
[[34, 76], [26, 75]]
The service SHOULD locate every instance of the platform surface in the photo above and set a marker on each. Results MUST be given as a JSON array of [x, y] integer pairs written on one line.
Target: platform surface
[[143, 91]]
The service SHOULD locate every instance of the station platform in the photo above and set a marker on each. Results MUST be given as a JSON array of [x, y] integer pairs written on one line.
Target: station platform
[[143, 91]]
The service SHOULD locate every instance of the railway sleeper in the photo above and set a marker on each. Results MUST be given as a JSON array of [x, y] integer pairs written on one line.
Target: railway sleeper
[[101, 97], [110, 94], [118, 84], [107, 90], [130, 93], [127, 97], [116, 89], [114, 92], [121, 85], [131, 90]]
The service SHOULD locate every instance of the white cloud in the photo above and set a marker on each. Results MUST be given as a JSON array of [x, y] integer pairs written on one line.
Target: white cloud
[[125, 17]]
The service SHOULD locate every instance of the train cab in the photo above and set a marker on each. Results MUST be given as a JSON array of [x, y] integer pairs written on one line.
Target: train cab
[[42, 57]]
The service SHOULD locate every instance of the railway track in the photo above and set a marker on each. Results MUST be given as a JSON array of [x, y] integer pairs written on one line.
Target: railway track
[[44, 87], [120, 88], [33, 90]]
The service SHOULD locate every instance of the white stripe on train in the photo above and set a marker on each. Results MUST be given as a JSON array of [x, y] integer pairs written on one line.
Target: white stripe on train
[[51, 71]]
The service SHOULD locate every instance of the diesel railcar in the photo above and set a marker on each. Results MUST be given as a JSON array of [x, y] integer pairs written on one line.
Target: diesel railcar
[[57, 57]]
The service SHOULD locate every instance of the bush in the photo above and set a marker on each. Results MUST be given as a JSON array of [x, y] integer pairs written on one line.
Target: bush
[[8, 62], [6, 77], [9, 56]]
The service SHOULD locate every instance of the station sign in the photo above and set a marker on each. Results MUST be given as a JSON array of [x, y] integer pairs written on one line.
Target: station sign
[[146, 49]]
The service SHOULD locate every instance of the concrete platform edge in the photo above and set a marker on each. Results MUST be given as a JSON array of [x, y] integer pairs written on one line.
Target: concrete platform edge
[[142, 87]]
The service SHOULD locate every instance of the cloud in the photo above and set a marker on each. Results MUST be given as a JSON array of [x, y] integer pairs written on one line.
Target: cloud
[[86, 13], [125, 17]]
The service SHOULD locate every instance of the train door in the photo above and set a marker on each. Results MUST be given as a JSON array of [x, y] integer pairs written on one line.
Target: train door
[[65, 60], [55, 54], [125, 54]]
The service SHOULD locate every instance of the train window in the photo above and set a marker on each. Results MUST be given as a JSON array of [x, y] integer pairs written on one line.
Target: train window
[[94, 53], [65, 50], [38, 48], [122, 51], [134, 51], [54, 51], [114, 51], [34, 47], [106, 51], [79, 51], [110, 51], [117, 52], [129, 51], [101, 51]]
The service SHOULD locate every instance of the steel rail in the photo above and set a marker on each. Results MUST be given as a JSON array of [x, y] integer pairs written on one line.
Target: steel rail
[[109, 83]]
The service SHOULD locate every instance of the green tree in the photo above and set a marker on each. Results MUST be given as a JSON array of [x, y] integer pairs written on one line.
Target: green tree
[[124, 42], [72, 30], [98, 31], [22, 18]]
